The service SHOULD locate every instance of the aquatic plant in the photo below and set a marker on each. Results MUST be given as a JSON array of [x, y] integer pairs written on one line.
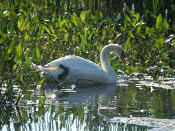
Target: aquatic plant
[[40, 31]]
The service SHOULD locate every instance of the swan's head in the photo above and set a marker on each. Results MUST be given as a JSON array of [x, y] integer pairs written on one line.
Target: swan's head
[[116, 49], [56, 72], [106, 65]]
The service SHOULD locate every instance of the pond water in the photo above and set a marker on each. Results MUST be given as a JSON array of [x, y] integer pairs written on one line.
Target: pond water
[[132, 104]]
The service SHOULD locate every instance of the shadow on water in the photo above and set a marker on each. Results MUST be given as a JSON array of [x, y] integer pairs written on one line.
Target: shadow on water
[[124, 106]]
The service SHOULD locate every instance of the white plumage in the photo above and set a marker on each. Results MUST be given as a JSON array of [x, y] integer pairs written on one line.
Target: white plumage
[[77, 70]]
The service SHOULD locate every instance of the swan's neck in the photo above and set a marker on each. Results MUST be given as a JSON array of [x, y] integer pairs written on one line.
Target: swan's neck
[[105, 64]]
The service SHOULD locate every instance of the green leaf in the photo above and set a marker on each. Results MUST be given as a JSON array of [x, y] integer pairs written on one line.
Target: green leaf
[[103, 36], [66, 36], [19, 51], [21, 23], [137, 16], [47, 29], [51, 29], [26, 37], [37, 51], [127, 44], [165, 25], [41, 101], [84, 40], [11, 47], [27, 62], [127, 18], [158, 21], [75, 19], [83, 16], [159, 42]]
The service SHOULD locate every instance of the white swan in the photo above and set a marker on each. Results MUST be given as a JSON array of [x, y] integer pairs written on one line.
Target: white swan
[[76, 70]]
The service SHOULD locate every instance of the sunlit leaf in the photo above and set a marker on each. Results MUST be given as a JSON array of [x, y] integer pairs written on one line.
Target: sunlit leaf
[[158, 21], [127, 44], [165, 25], [37, 51], [21, 23], [159, 42], [47, 29], [26, 37], [41, 101], [51, 28], [27, 62], [75, 19], [137, 15], [83, 16], [127, 18], [21, 77], [19, 50], [66, 36]]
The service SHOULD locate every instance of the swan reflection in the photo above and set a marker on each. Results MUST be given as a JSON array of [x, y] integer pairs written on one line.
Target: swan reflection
[[79, 95]]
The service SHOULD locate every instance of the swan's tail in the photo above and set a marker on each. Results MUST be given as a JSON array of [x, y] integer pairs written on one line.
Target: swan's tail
[[51, 71], [43, 71], [38, 68]]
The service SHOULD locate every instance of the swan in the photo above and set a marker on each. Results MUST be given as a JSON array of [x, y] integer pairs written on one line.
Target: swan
[[73, 69]]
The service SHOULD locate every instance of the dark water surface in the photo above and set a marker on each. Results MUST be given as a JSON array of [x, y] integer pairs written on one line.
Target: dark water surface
[[131, 105]]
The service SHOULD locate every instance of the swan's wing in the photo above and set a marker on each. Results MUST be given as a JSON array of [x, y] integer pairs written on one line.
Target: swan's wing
[[88, 83], [85, 71], [80, 69]]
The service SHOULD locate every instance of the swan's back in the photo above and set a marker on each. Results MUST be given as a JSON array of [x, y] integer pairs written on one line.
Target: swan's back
[[80, 69]]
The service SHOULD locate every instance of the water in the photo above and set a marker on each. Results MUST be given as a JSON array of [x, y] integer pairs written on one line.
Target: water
[[133, 104]]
